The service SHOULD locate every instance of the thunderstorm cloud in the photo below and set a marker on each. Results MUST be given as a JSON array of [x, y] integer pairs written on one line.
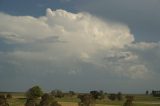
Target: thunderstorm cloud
[[73, 44]]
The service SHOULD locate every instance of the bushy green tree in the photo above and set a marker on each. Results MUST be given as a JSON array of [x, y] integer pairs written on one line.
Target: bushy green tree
[[48, 100], [86, 100], [34, 92]]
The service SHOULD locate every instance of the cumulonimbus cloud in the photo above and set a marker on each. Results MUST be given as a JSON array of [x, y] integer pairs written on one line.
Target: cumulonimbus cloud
[[67, 38]]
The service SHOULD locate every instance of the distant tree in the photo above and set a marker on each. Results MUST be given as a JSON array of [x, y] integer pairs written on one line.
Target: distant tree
[[86, 100], [34, 92], [153, 92], [129, 101], [57, 93], [147, 92], [95, 94], [8, 96], [48, 100], [3, 101], [119, 96], [156, 93], [101, 94], [72, 93], [105, 93], [112, 97]]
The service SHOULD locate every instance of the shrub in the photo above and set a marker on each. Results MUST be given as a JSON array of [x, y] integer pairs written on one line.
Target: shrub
[[129, 100], [117, 96], [147, 92], [86, 100], [8, 96], [48, 100], [72, 93], [112, 97], [97, 94], [57, 93], [3, 101], [31, 102]]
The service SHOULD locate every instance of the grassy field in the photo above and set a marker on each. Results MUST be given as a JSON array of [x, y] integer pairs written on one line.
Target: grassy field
[[140, 100]]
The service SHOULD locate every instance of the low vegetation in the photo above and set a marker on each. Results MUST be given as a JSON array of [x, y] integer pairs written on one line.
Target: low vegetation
[[3, 101]]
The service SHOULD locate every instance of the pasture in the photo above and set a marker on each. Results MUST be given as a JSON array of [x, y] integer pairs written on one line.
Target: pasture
[[19, 99]]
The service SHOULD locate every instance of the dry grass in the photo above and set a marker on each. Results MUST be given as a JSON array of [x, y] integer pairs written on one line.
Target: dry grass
[[68, 104]]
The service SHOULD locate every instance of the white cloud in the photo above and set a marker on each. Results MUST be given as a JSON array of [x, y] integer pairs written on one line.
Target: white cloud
[[62, 40], [144, 45]]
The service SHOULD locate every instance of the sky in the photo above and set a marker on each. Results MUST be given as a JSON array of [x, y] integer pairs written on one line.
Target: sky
[[80, 45]]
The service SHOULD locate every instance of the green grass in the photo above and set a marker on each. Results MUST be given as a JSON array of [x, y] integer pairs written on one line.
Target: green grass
[[146, 98]]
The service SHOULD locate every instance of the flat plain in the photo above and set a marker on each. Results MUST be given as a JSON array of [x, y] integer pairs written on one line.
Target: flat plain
[[19, 99]]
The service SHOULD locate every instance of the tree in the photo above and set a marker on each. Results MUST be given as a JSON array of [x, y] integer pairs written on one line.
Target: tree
[[97, 94], [34, 92], [57, 93], [86, 100], [119, 96], [147, 92], [48, 100], [101, 94], [112, 96], [8, 96], [72, 93], [156, 93], [129, 100]]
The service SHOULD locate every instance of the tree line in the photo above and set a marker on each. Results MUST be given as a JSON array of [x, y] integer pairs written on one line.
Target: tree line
[[36, 97]]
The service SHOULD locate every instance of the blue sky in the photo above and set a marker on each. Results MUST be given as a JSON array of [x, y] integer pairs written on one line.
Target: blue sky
[[80, 45]]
